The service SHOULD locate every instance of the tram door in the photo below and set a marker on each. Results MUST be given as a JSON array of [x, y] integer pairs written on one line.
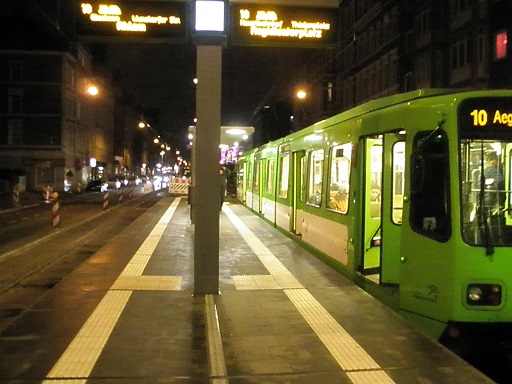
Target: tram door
[[372, 198], [297, 182], [393, 178], [383, 199]]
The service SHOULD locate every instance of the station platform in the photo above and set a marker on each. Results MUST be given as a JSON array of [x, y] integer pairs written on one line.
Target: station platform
[[129, 315]]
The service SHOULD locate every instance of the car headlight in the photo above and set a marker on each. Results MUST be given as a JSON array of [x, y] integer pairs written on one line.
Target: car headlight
[[480, 294]]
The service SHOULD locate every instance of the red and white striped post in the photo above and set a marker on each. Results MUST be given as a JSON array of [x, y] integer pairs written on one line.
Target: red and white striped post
[[105, 199], [55, 210]]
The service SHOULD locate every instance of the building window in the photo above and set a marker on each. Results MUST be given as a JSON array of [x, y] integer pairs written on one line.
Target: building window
[[409, 40], [461, 52], [15, 101], [15, 135], [328, 95], [500, 45], [481, 48], [461, 5], [424, 21], [15, 70]]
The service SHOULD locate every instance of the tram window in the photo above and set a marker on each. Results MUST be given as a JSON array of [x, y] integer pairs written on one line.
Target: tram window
[[316, 165], [398, 182], [248, 180], [339, 186], [256, 179], [486, 192], [375, 179], [284, 174], [430, 191], [269, 186]]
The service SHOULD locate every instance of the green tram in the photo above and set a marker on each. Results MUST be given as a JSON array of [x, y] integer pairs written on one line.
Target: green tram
[[409, 196]]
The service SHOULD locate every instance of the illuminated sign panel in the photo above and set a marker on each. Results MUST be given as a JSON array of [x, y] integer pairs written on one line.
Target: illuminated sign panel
[[252, 24], [135, 19], [210, 16], [485, 116]]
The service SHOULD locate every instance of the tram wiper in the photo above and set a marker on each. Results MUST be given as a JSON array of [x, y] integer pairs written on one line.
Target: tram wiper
[[432, 134]]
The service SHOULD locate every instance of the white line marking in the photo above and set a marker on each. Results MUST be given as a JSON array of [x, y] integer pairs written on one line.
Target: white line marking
[[345, 350], [218, 372], [78, 360]]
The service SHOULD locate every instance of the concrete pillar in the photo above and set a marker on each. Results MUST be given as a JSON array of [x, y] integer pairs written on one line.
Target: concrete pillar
[[206, 197]]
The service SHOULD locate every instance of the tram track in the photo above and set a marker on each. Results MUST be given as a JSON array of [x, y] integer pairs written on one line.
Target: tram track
[[28, 272]]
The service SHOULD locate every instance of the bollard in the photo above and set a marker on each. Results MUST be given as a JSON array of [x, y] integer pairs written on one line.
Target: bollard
[[105, 200], [120, 197], [55, 210], [16, 195], [130, 192]]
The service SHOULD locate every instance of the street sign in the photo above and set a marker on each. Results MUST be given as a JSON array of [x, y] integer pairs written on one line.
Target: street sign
[[276, 25], [252, 24], [125, 21]]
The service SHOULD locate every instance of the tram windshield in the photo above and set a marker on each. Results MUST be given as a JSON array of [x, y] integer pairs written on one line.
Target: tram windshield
[[486, 192]]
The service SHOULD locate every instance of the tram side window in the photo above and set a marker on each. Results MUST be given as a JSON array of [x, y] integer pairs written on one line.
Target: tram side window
[[269, 187], [398, 181], [284, 174], [248, 179], [316, 166], [339, 186], [256, 179], [430, 192]]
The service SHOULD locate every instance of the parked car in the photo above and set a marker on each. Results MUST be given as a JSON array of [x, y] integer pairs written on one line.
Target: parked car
[[113, 182], [96, 186], [134, 180]]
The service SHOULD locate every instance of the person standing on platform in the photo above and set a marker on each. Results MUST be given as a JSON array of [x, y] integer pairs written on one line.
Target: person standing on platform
[[223, 186]]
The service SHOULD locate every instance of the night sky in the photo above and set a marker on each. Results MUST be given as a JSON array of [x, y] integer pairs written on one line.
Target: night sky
[[162, 77]]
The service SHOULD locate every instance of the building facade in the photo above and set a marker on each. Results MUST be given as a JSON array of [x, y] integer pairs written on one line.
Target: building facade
[[53, 130], [392, 46]]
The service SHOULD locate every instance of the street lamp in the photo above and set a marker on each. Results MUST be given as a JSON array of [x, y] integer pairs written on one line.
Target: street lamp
[[92, 90], [299, 109]]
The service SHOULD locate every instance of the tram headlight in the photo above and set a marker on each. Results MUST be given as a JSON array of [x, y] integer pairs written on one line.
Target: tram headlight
[[474, 294], [482, 294]]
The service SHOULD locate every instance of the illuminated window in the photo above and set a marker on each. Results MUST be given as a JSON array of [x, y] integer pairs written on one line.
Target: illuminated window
[[269, 187], [210, 15], [500, 45], [398, 181], [284, 176], [256, 180], [316, 166], [339, 185]]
